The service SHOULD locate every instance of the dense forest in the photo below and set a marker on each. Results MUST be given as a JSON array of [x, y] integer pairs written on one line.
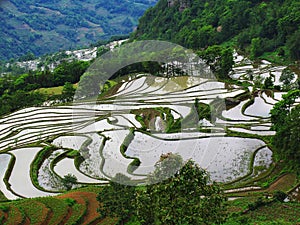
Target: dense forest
[[253, 26], [44, 27]]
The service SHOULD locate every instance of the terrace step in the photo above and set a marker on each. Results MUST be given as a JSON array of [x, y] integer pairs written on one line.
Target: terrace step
[[78, 210], [15, 216], [36, 212], [58, 210], [92, 205]]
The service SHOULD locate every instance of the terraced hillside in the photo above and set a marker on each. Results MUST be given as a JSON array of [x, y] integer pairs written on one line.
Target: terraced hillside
[[78, 207], [127, 130]]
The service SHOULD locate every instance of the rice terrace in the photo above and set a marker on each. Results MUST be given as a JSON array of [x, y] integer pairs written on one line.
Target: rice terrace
[[224, 127]]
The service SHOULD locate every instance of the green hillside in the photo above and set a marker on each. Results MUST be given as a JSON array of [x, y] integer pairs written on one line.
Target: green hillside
[[138, 120], [255, 26], [42, 27]]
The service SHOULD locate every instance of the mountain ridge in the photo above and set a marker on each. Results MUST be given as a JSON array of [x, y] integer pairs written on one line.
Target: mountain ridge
[[42, 27]]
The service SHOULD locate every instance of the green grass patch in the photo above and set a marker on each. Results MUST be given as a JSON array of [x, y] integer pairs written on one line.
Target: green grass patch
[[266, 139], [89, 188], [53, 90], [239, 204], [274, 58], [70, 201]]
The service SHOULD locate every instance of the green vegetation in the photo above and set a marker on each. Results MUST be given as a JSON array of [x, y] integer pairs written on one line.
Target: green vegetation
[[34, 210], [37, 162], [51, 90], [286, 139], [177, 193], [38, 27], [253, 26], [268, 214], [219, 59], [282, 109], [286, 77], [58, 207], [68, 92], [68, 181], [15, 216], [18, 91], [117, 199]]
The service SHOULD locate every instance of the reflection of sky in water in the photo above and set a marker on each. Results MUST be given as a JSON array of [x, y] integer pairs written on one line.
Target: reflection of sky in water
[[4, 160], [259, 108], [226, 158]]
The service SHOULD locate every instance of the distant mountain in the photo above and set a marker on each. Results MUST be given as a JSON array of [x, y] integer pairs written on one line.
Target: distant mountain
[[256, 26], [44, 26]]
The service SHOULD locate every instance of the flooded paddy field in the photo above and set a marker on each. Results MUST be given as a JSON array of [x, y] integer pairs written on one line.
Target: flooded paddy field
[[145, 117]]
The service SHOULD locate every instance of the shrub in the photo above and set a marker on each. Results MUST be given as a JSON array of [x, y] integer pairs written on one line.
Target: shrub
[[4, 208], [70, 201]]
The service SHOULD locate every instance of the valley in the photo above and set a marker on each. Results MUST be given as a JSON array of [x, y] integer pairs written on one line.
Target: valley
[[44, 27]]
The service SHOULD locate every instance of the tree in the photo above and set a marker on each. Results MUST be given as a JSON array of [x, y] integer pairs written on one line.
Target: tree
[[168, 165], [287, 138], [268, 83], [187, 197], [68, 181], [286, 122], [282, 109], [256, 48], [117, 199], [286, 78], [226, 62], [220, 60], [293, 45], [68, 92]]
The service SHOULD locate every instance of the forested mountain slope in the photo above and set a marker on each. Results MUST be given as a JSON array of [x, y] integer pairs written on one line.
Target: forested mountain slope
[[43, 26], [256, 26]]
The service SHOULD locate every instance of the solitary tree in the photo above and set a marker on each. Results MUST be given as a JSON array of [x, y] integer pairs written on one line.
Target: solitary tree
[[268, 83], [68, 181]]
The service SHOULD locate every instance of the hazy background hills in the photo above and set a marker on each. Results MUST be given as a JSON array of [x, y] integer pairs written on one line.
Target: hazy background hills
[[44, 26]]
